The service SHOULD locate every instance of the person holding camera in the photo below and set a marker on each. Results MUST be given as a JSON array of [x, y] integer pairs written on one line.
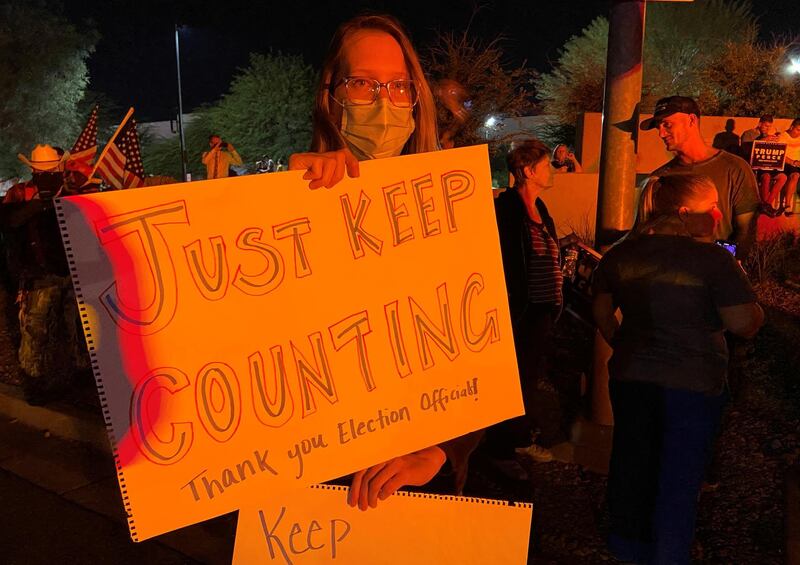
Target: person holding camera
[[564, 160], [219, 159]]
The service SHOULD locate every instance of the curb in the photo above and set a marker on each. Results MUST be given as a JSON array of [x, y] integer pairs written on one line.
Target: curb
[[61, 420]]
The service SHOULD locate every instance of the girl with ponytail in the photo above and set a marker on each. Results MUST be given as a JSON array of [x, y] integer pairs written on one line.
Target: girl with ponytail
[[678, 292]]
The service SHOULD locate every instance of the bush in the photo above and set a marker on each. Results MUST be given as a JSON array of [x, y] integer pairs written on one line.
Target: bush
[[750, 80], [266, 111], [774, 258], [489, 87]]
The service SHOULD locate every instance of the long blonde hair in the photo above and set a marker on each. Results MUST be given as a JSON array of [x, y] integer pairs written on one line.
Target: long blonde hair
[[663, 196], [326, 136]]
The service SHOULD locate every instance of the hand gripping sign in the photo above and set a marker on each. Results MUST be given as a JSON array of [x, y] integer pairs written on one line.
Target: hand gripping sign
[[250, 336]]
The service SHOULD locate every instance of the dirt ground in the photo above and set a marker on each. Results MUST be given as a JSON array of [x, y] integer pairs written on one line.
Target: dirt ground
[[742, 520]]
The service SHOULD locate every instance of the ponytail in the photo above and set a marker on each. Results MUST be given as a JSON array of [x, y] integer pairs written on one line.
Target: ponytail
[[663, 196], [646, 208]]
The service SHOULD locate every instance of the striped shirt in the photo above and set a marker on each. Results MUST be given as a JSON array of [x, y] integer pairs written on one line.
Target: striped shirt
[[544, 272]]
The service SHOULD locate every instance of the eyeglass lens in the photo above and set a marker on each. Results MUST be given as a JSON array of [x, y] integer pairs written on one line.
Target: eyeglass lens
[[366, 90]]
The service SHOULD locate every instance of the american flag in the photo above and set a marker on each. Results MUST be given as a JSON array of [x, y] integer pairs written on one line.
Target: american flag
[[122, 165], [85, 147]]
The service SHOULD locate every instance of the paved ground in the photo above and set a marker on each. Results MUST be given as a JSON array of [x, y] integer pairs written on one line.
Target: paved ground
[[61, 504], [57, 530]]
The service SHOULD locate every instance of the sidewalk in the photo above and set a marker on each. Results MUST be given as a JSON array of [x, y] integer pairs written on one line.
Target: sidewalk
[[62, 501], [55, 461]]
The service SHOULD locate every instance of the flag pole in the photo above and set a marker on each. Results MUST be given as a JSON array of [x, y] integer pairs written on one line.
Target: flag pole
[[110, 141]]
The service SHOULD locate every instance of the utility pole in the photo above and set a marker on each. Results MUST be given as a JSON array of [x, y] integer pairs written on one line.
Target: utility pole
[[180, 105], [617, 188], [616, 195]]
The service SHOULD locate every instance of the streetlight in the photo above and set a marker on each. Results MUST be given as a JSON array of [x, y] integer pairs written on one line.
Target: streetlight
[[793, 68], [488, 125], [186, 176]]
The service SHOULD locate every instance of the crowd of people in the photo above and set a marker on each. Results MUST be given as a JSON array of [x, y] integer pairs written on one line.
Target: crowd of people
[[374, 102], [677, 291], [777, 186]]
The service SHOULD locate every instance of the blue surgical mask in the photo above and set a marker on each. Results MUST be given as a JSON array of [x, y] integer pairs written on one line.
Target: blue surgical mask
[[377, 130]]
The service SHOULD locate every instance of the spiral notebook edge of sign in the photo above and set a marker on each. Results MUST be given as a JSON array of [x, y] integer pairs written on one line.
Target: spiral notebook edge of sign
[[434, 496], [101, 391]]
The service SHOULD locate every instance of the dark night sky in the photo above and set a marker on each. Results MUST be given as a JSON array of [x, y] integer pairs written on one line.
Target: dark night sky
[[135, 59]]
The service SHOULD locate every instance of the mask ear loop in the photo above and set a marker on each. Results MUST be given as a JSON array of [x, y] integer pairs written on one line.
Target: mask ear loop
[[329, 90], [330, 87], [339, 102]]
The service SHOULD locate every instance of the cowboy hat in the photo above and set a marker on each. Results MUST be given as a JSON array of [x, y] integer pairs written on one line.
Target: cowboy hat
[[43, 158]]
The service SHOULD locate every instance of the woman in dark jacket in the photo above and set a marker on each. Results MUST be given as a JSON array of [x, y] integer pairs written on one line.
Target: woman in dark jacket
[[530, 252]]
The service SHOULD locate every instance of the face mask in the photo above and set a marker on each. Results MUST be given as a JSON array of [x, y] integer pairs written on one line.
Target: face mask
[[378, 130], [48, 183]]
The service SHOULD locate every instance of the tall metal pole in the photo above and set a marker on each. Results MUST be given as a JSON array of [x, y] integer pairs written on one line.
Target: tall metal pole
[[617, 189], [180, 105]]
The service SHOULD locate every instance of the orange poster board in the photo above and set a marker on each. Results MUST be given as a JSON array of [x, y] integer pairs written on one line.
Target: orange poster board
[[250, 336], [316, 526]]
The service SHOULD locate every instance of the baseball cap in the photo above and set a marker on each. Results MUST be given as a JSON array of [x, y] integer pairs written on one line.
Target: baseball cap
[[668, 106]]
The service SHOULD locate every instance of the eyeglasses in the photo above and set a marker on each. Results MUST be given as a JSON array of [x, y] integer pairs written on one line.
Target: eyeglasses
[[362, 91]]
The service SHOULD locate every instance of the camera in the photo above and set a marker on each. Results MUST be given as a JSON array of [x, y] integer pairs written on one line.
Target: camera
[[223, 145]]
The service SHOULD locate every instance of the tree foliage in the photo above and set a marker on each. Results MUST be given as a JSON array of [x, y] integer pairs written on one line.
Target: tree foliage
[[575, 85], [43, 77], [267, 111], [489, 87], [163, 156], [681, 42], [751, 80]]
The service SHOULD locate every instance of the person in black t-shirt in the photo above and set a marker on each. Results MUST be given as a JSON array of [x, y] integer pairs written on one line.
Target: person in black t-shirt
[[678, 292]]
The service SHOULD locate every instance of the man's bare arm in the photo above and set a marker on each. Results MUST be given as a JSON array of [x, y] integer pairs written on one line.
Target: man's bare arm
[[744, 226]]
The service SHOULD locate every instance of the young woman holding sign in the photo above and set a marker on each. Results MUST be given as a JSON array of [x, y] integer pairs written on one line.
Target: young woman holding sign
[[373, 102]]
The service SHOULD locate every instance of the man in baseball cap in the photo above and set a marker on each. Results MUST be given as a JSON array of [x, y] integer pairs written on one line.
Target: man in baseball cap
[[677, 120], [668, 106]]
